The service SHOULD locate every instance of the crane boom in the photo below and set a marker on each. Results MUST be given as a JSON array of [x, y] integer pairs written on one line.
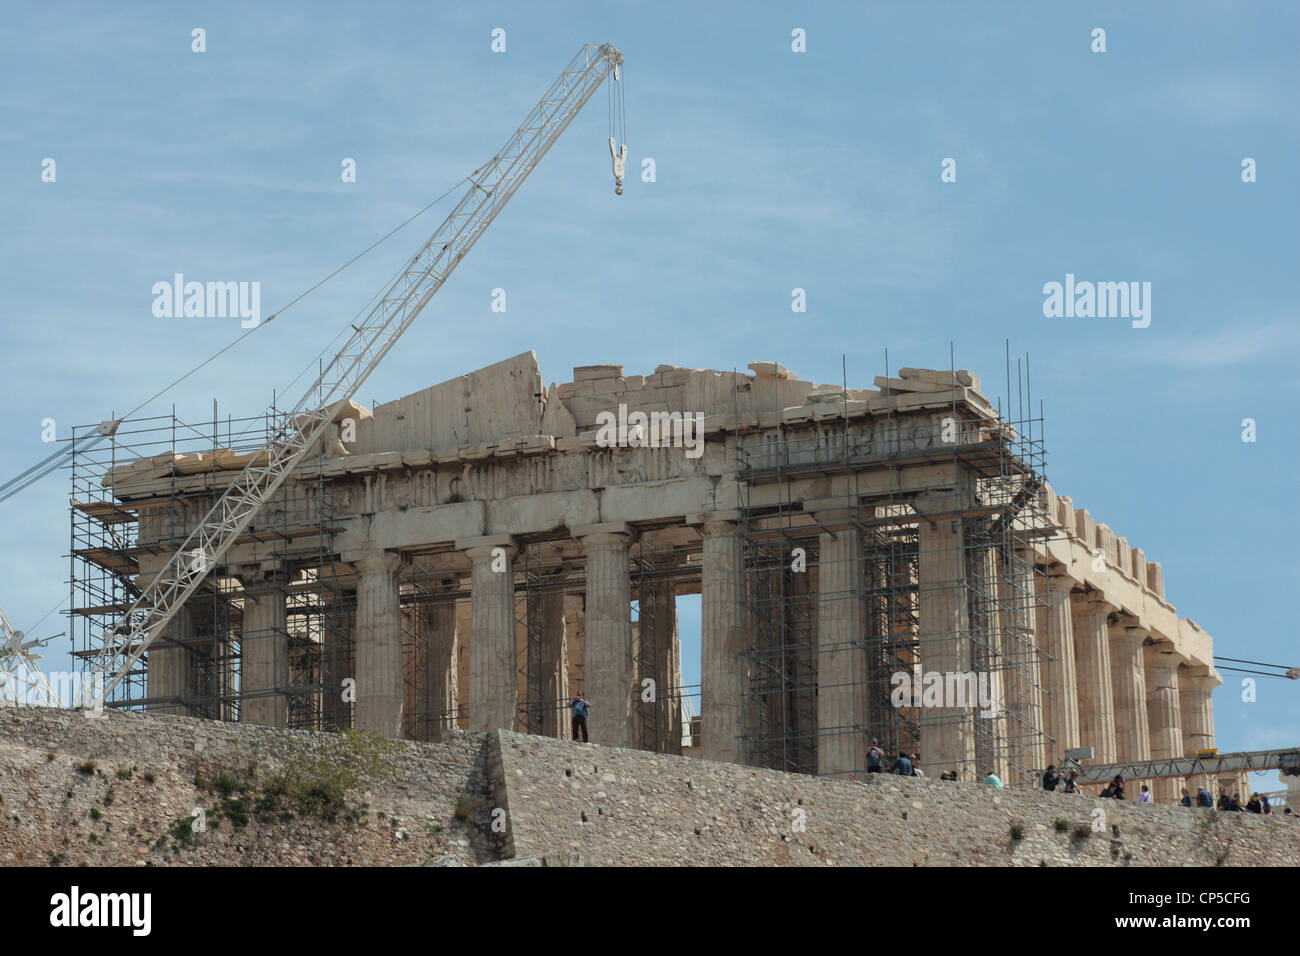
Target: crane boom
[[490, 188], [18, 664]]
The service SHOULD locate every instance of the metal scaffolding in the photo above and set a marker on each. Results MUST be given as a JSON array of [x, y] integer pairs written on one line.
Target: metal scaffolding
[[919, 558], [134, 499]]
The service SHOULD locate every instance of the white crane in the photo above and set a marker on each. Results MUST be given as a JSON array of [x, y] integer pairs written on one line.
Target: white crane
[[18, 667], [490, 188]]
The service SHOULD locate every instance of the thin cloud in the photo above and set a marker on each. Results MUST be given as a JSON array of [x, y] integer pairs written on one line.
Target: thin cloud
[[1274, 342]]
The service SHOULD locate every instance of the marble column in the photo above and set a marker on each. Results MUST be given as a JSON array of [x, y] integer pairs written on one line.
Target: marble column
[[338, 664], [1023, 674], [441, 653], [1062, 677], [841, 661], [664, 616], [378, 645], [1129, 689], [554, 654], [1092, 663], [1196, 718], [610, 666], [947, 733], [171, 667], [493, 688], [414, 633], [721, 673], [1163, 716], [264, 649]]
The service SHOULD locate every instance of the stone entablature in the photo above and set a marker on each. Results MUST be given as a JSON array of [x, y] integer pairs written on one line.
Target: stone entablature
[[492, 456]]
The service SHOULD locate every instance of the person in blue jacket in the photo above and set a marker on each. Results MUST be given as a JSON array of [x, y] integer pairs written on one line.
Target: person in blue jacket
[[580, 707]]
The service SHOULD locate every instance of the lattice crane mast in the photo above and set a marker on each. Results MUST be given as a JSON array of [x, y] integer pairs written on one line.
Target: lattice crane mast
[[490, 188], [18, 664]]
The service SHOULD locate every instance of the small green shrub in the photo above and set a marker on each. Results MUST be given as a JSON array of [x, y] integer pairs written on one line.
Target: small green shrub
[[1061, 825], [1017, 831], [319, 785], [463, 809], [182, 831], [87, 768], [236, 811], [225, 783], [1082, 831], [95, 814]]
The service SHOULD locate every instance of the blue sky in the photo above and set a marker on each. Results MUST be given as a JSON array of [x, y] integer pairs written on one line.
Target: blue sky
[[775, 170]]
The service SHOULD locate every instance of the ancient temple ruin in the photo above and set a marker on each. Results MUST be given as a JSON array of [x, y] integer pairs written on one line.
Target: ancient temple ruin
[[473, 554]]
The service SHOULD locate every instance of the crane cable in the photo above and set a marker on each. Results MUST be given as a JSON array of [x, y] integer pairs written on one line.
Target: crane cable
[[1291, 673], [54, 461]]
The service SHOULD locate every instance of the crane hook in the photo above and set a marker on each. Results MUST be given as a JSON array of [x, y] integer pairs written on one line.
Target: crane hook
[[620, 165]]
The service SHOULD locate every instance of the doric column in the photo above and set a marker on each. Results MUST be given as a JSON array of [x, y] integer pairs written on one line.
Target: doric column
[[1062, 677], [493, 688], [721, 672], [338, 664], [1163, 716], [610, 666], [414, 634], [171, 665], [947, 733], [841, 662], [264, 649], [554, 664], [674, 716], [575, 640], [664, 616], [1196, 716], [378, 645], [1129, 689], [1092, 663], [442, 650], [1023, 674]]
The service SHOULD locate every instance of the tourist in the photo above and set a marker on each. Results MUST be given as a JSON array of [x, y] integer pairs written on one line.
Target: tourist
[[1108, 791], [1186, 799], [992, 780], [1235, 803], [1145, 795], [916, 766], [1225, 803], [1265, 806], [1204, 798], [875, 758], [580, 707], [1253, 805], [902, 766], [1072, 784], [1051, 779], [1118, 793]]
